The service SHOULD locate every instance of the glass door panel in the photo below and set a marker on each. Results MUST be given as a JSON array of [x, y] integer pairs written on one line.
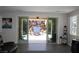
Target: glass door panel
[[23, 28]]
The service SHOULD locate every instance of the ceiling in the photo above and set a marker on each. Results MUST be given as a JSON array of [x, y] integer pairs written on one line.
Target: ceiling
[[55, 9]]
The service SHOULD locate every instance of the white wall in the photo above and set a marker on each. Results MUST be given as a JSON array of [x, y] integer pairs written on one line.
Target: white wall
[[70, 37], [12, 34]]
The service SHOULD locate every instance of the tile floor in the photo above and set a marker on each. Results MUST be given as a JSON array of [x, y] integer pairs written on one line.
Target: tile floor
[[43, 48]]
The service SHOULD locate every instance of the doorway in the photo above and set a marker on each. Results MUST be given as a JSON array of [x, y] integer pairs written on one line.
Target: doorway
[[37, 30], [47, 29]]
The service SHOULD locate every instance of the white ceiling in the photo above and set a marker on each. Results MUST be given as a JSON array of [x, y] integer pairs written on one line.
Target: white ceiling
[[55, 9]]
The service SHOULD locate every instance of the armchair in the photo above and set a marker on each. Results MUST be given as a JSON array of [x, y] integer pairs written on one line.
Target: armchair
[[7, 47]]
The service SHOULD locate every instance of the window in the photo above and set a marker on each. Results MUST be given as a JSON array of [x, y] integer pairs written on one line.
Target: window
[[73, 25]]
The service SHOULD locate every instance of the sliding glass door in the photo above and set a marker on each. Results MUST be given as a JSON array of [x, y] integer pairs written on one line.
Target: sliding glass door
[[23, 28], [51, 34]]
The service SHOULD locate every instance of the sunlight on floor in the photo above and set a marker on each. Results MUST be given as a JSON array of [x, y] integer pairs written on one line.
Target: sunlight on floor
[[37, 39]]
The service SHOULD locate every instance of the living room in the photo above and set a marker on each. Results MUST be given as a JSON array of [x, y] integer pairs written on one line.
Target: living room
[[62, 13]]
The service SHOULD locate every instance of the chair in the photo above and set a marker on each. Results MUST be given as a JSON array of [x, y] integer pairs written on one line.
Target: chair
[[7, 47]]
